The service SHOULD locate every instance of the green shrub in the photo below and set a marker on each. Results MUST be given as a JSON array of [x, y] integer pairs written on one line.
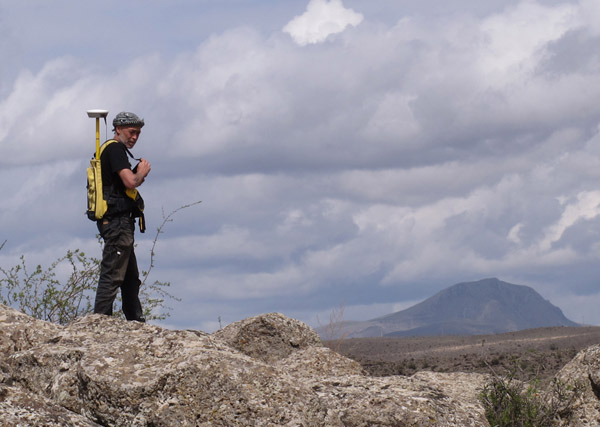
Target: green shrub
[[508, 402], [40, 294], [61, 298]]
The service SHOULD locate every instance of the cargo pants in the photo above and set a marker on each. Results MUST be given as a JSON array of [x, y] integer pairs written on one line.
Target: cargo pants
[[118, 269]]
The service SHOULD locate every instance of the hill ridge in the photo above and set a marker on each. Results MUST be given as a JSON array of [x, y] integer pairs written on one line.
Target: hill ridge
[[486, 306]]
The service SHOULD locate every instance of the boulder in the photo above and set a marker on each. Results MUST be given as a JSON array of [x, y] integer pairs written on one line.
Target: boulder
[[265, 371], [269, 337], [578, 385]]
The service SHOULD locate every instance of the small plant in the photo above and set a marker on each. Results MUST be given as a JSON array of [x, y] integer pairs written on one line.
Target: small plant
[[334, 330], [509, 402]]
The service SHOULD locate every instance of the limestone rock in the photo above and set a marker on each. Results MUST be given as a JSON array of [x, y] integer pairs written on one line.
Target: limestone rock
[[321, 362], [19, 407], [266, 371], [580, 381], [20, 332], [269, 337]]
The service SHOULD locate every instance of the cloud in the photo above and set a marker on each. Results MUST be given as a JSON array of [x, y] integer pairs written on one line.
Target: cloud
[[586, 207], [421, 151], [516, 39], [321, 19]]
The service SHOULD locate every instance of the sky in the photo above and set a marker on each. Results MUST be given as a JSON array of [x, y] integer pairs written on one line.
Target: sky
[[349, 155]]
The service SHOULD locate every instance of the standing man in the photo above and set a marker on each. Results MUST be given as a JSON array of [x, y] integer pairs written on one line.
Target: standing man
[[119, 265]]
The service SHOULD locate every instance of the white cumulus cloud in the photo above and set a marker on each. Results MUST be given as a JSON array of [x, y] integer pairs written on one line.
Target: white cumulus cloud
[[321, 19]]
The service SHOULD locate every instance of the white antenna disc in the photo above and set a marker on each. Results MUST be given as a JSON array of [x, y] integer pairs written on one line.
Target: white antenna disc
[[97, 113]]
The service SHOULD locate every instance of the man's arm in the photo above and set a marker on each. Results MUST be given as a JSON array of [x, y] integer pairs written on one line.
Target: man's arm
[[132, 180]]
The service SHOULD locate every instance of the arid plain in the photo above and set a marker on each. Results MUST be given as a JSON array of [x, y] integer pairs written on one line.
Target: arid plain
[[529, 354]]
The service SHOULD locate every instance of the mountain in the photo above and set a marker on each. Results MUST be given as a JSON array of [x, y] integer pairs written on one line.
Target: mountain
[[487, 306]]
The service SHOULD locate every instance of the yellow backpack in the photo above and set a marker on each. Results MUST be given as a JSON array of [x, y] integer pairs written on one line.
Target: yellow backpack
[[96, 204]]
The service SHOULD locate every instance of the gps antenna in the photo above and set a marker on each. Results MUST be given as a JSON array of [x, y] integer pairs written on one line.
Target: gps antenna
[[96, 114]]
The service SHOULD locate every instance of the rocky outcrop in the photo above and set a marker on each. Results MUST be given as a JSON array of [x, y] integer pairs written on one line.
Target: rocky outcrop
[[578, 385], [265, 371], [269, 338]]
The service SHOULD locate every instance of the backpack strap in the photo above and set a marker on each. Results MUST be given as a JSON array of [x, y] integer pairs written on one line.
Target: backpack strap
[[131, 155], [142, 222], [103, 146], [110, 141]]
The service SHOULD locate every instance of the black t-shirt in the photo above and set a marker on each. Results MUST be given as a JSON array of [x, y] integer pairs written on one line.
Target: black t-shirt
[[114, 159]]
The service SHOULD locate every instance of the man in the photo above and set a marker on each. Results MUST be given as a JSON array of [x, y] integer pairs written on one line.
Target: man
[[119, 265]]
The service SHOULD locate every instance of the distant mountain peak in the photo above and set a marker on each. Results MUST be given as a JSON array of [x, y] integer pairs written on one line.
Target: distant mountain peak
[[485, 306]]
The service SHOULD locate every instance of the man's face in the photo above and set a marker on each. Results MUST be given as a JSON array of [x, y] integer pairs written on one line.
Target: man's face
[[128, 135]]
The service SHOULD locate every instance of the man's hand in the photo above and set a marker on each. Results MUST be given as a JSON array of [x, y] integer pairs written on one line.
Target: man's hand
[[143, 168]]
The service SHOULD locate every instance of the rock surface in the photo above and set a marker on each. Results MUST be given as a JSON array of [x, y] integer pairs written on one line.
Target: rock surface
[[580, 382], [265, 371]]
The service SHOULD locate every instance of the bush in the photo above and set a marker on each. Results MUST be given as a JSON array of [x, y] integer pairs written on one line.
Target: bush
[[508, 402], [40, 294], [45, 295]]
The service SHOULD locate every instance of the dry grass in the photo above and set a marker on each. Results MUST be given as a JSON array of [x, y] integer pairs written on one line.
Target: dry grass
[[533, 353]]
